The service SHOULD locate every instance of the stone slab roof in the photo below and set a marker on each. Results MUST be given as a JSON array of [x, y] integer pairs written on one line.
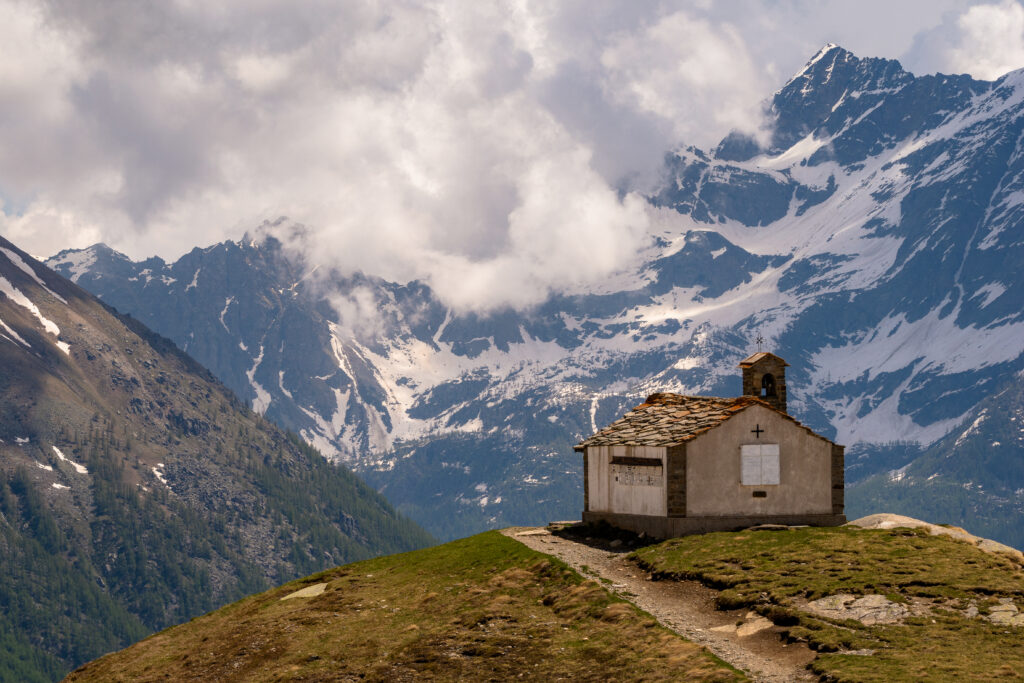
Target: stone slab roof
[[758, 356], [670, 419]]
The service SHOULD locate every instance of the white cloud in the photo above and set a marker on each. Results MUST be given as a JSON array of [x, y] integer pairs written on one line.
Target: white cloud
[[261, 73], [687, 70], [359, 312], [488, 149], [416, 140], [991, 40], [985, 40]]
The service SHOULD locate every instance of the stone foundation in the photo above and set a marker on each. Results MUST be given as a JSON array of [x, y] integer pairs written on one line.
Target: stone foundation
[[669, 527]]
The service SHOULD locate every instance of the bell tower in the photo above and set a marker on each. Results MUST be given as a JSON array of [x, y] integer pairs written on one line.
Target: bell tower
[[764, 376]]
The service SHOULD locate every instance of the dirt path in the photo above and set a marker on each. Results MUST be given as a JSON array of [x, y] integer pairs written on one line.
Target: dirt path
[[685, 607]]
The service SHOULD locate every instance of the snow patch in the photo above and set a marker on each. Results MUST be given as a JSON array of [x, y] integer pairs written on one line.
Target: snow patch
[[894, 345], [898, 475], [814, 60], [59, 486], [973, 429], [801, 149], [78, 468], [30, 271], [159, 474], [990, 293], [442, 326], [471, 426], [688, 363], [77, 263], [280, 385], [15, 295], [14, 334], [262, 400], [195, 280], [572, 324], [227, 304]]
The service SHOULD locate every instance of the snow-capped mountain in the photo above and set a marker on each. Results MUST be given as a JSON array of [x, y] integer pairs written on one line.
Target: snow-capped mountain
[[875, 243]]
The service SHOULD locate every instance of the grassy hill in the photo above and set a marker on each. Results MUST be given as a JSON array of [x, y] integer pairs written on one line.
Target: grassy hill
[[952, 600], [488, 608], [481, 608]]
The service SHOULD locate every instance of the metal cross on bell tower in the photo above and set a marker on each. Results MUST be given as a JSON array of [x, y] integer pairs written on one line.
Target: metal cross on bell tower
[[759, 340]]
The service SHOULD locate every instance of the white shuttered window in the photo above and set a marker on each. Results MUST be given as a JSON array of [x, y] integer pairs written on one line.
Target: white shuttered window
[[759, 464]]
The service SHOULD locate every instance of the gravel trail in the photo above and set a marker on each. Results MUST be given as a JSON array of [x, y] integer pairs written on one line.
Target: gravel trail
[[744, 639]]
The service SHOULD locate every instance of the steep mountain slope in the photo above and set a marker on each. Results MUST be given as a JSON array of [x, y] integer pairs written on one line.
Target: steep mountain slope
[[973, 477], [136, 491], [875, 243]]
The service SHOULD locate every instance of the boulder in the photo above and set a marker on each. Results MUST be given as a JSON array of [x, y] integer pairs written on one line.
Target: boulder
[[867, 609]]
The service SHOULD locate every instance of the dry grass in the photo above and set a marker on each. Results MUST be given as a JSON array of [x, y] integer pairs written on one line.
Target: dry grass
[[482, 608], [771, 571]]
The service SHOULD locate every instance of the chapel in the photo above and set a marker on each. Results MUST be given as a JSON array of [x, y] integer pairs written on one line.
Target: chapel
[[677, 465]]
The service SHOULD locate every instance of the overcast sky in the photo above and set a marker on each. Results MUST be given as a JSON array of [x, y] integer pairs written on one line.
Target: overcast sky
[[478, 146]]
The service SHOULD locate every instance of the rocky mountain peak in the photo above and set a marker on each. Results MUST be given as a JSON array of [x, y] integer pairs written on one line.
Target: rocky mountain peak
[[832, 76], [807, 102], [96, 259]]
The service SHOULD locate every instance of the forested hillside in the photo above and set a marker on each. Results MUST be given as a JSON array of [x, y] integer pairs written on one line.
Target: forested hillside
[[136, 491]]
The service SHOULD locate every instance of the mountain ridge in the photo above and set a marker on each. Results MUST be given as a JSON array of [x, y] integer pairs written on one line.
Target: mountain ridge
[[873, 245]]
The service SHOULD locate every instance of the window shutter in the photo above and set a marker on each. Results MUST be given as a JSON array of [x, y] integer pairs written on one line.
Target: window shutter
[[769, 469], [759, 464], [750, 465]]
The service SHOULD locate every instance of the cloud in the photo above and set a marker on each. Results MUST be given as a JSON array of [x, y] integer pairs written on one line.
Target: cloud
[[496, 151], [685, 69], [491, 150], [991, 40], [985, 41]]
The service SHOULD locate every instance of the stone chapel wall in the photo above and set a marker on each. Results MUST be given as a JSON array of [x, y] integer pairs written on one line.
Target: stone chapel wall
[[713, 469]]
